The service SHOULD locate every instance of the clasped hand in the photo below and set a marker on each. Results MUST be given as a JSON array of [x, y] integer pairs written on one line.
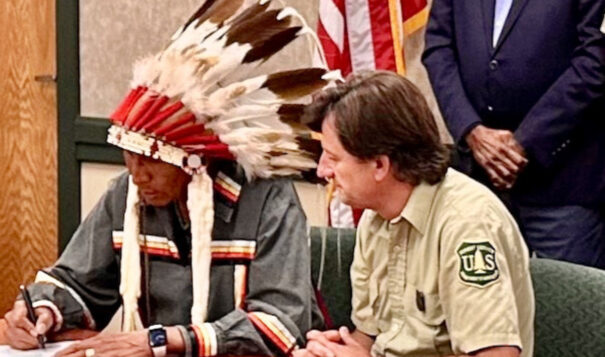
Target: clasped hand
[[332, 343], [498, 153]]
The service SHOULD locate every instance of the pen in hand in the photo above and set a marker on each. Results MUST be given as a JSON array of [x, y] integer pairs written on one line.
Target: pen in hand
[[31, 313]]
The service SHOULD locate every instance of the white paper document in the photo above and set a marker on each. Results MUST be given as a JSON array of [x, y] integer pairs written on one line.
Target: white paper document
[[50, 350]]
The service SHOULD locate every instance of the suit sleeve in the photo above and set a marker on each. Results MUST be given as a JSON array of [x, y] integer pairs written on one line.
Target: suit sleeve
[[279, 302], [441, 62], [548, 126], [82, 287]]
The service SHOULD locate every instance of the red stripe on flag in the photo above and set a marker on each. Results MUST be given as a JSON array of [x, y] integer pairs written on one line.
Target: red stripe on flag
[[340, 4], [409, 8], [335, 59], [381, 35]]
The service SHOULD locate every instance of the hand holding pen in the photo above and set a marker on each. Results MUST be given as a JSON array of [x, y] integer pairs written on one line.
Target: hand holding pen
[[32, 315], [21, 332]]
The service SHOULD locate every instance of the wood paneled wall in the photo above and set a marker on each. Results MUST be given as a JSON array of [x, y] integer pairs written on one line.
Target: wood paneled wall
[[28, 144]]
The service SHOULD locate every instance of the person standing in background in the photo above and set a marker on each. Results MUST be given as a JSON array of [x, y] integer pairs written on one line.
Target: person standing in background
[[521, 85]]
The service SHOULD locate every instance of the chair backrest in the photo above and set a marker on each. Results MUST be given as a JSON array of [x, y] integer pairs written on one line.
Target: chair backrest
[[570, 298], [331, 257], [570, 309]]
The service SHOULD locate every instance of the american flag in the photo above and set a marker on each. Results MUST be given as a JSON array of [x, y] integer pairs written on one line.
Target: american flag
[[368, 34]]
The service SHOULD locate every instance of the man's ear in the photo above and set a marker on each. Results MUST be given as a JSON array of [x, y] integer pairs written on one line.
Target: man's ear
[[382, 167]]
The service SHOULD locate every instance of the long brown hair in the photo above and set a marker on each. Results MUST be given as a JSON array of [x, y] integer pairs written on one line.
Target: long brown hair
[[382, 113]]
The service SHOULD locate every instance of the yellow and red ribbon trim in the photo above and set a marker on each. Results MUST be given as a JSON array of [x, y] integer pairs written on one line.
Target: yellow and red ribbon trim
[[274, 330], [154, 245], [206, 339], [227, 187], [233, 249]]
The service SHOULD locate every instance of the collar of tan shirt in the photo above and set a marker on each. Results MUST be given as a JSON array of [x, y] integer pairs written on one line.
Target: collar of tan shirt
[[418, 208]]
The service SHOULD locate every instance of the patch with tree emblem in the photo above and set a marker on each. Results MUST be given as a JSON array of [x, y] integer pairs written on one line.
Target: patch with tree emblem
[[478, 263]]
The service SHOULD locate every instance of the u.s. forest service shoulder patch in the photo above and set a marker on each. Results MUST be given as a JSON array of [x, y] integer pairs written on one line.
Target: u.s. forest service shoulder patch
[[478, 263]]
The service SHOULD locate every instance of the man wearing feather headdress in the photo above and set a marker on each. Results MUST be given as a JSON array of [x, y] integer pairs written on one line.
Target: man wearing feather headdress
[[199, 241]]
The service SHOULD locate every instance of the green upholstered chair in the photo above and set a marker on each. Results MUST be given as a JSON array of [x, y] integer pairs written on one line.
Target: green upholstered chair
[[570, 309], [570, 299], [331, 258]]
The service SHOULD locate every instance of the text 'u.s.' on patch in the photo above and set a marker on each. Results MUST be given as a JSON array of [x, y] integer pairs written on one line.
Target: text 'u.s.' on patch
[[478, 263]]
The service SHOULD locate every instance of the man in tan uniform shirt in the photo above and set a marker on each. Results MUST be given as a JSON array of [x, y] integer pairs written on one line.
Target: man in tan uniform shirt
[[440, 267]]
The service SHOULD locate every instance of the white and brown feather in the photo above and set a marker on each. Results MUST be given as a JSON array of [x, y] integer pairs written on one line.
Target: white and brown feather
[[206, 67]]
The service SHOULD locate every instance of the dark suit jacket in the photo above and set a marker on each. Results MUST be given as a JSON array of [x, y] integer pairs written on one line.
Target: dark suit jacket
[[544, 80]]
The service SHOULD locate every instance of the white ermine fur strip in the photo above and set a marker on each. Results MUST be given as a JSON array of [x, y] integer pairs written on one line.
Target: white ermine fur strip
[[130, 285], [201, 214]]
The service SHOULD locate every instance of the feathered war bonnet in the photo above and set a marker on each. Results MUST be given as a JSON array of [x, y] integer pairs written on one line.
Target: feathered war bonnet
[[196, 100]]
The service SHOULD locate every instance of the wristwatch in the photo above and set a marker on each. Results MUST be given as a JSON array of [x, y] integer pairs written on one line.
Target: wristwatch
[[158, 340]]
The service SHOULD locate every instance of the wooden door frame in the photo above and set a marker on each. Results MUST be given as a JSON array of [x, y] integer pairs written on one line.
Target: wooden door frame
[[81, 139]]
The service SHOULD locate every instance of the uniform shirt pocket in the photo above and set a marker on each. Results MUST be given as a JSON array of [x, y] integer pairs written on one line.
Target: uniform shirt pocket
[[425, 318]]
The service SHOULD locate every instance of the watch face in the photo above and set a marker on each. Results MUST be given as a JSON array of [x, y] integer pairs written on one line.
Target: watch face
[[157, 338]]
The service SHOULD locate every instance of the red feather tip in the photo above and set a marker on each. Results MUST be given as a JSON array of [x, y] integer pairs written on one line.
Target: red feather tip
[[120, 114], [219, 151], [137, 112], [184, 119], [197, 140], [184, 132], [163, 115], [151, 112]]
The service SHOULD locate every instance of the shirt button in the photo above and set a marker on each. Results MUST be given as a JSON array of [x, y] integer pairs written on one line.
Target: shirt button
[[397, 248], [493, 65], [490, 108]]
